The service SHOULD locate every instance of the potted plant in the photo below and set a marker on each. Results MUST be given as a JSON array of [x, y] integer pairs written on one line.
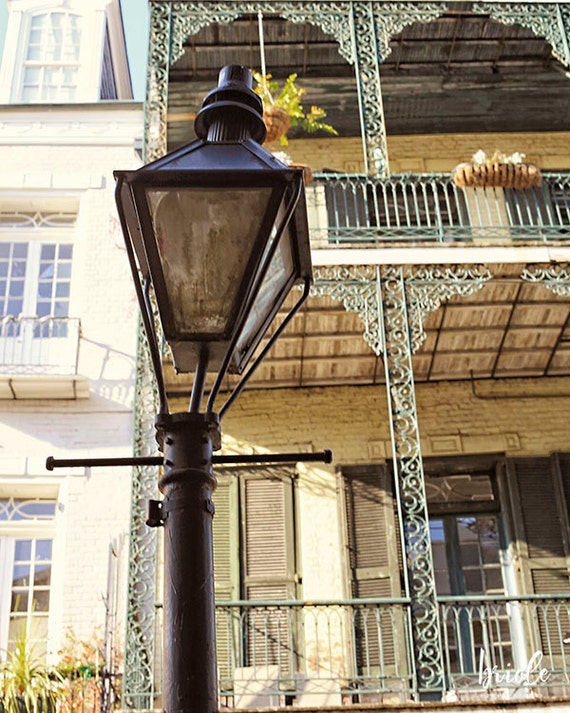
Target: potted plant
[[282, 108], [27, 685], [498, 170]]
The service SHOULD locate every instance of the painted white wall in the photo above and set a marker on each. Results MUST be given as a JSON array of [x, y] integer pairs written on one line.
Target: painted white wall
[[66, 156]]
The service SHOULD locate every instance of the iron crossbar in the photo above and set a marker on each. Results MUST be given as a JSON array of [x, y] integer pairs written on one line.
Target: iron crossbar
[[252, 459]]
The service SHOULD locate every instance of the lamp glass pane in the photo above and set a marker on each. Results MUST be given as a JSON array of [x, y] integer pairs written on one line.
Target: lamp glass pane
[[205, 240], [271, 294]]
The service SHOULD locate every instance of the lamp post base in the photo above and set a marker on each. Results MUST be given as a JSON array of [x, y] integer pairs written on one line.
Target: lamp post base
[[190, 670]]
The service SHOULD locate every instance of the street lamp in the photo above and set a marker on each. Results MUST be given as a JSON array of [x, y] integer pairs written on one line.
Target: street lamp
[[217, 231]]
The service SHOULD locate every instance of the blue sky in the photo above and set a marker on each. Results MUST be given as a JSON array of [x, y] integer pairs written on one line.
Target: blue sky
[[135, 15], [135, 18]]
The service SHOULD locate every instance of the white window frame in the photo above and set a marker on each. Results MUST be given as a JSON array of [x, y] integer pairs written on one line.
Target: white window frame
[[13, 530], [85, 62]]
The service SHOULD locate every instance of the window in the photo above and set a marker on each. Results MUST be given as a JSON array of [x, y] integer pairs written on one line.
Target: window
[[35, 279], [52, 58], [466, 553], [254, 559], [26, 556], [36, 253]]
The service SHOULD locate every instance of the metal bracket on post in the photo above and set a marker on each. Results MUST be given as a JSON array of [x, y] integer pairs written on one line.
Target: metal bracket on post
[[155, 514]]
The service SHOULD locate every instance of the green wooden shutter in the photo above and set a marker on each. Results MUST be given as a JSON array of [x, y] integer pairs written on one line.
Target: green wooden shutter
[[226, 575], [372, 539], [269, 564], [540, 523]]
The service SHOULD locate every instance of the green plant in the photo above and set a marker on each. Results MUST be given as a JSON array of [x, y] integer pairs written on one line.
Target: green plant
[[27, 685], [288, 97]]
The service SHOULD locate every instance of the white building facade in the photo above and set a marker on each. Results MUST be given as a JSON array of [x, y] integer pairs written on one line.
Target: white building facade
[[68, 321]]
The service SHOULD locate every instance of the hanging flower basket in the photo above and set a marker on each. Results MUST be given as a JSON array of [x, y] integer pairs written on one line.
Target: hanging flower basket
[[277, 122], [499, 171], [282, 108], [499, 175]]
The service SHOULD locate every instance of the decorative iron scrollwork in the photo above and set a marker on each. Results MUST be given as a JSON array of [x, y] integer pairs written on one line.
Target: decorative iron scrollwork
[[141, 597], [548, 20], [356, 288], [428, 287], [555, 278]]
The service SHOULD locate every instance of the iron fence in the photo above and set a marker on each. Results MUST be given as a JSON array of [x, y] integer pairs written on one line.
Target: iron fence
[[39, 345], [324, 653], [360, 651], [357, 209], [507, 645]]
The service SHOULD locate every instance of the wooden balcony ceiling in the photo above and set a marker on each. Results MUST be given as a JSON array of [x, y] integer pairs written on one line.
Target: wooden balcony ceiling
[[509, 328], [460, 73]]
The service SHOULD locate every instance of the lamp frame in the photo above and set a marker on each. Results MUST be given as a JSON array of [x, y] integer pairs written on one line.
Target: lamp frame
[[145, 261]]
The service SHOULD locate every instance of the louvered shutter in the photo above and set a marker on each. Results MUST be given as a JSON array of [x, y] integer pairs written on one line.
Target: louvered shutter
[[226, 575], [372, 539], [268, 564], [540, 522]]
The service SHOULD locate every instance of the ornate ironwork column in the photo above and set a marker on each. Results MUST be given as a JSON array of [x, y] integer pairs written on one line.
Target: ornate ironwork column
[[392, 302], [140, 635], [408, 472]]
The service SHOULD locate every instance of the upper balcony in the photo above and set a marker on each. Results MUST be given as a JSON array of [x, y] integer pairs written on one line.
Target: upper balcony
[[450, 79], [38, 358], [362, 211], [412, 90]]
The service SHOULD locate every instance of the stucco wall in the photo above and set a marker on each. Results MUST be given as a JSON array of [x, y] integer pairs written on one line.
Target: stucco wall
[[51, 156]]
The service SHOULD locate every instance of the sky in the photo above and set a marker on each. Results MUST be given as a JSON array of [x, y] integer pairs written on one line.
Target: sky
[[135, 18]]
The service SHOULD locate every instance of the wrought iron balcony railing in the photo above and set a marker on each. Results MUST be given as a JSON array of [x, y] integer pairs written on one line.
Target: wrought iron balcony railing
[[352, 210], [507, 644], [274, 653], [39, 345], [318, 653]]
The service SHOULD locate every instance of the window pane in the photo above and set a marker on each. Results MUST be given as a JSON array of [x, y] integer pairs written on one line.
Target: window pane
[[473, 581], [494, 579], [64, 270], [62, 289], [23, 550], [16, 629], [60, 309], [48, 252], [38, 628], [43, 550], [17, 288], [19, 601], [42, 575], [470, 555], [20, 250], [44, 290], [18, 268], [65, 251], [40, 601], [21, 575], [14, 307]]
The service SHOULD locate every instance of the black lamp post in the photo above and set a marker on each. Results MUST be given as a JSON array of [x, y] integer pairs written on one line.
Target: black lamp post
[[217, 230]]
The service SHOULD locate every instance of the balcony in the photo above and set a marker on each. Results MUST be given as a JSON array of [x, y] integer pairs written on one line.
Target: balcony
[[361, 211], [318, 654], [39, 356]]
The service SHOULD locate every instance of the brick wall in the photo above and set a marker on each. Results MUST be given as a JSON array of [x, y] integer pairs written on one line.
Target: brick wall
[[425, 154], [521, 417]]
